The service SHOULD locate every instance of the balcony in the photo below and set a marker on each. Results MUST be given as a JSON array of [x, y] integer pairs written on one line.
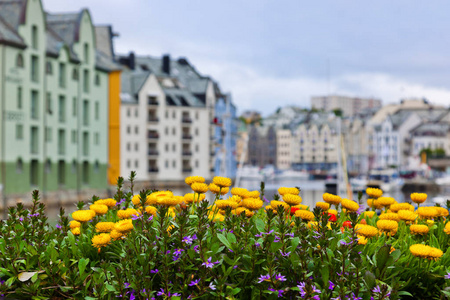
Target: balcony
[[152, 135], [186, 136], [153, 152], [187, 169], [186, 120], [152, 119], [152, 101], [212, 152], [187, 153], [153, 170]]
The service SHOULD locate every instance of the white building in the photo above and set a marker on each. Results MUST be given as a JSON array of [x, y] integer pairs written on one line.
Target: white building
[[350, 106], [167, 111], [284, 149]]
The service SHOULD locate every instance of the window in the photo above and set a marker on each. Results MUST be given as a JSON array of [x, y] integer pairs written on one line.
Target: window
[[85, 177], [19, 131], [48, 134], [136, 112], [136, 147], [86, 81], [97, 80], [166, 130], [74, 106], [196, 131], [96, 166], [34, 138], [34, 37], [196, 115], [61, 172], [62, 75], [136, 130], [48, 105], [34, 105], [19, 97], [96, 138], [61, 141], [34, 68], [19, 61], [128, 112], [167, 147], [196, 147], [196, 163], [74, 137], [34, 172], [136, 164], [174, 115], [74, 166], [85, 112], [128, 129], [174, 164], [167, 114], [86, 143], [48, 68], [62, 109], [75, 75], [86, 52], [128, 146], [174, 147], [167, 164], [174, 131], [19, 166], [97, 110], [128, 164]]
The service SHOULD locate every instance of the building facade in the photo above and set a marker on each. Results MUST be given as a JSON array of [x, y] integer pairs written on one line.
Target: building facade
[[54, 100], [350, 106]]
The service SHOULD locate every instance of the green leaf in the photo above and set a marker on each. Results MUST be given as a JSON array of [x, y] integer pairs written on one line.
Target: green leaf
[[405, 293], [294, 242], [382, 257], [24, 276], [275, 246], [224, 240], [260, 224], [231, 238], [110, 288], [90, 298], [370, 279], [325, 275], [82, 265]]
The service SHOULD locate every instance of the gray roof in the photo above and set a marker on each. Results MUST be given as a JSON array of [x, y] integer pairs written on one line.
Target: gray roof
[[181, 97], [103, 40], [12, 14], [431, 129], [131, 83]]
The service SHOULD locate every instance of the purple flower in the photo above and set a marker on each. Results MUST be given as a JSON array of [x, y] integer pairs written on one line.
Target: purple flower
[[280, 292], [259, 235], [188, 239], [257, 244], [264, 278], [126, 285], [376, 289], [277, 239], [265, 199], [331, 285], [316, 297], [447, 276], [355, 297], [21, 219], [120, 203], [150, 218], [58, 226], [235, 267], [280, 277], [290, 234], [301, 287], [154, 271], [212, 286], [285, 254], [161, 293], [315, 290], [136, 217], [196, 248], [194, 282], [209, 264]]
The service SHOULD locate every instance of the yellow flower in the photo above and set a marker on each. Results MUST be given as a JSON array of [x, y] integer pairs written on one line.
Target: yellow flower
[[189, 198], [237, 191], [427, 212], [251, 194], [151, 210], [274, 204], [304, 214], [389, 216], [115, 235], [418, 197], [194, 179], [323, 205], [100, 209], [153, 198], [350, 205], [407, 215], [222, 204], [401, 206], [332, 211], [124, 226], [447, 228], [292, 199], [101, 240], [442, 211], [235, 198], [108, 202], [83, 215], [286, 190], [222, 181], [331, 199], [373, 203], [369, 214], [385, 201], [217, 189], [238, 211], [136, 200], [104, 226], [362, 240], [74, 224], [76, 231], [418, 229], [170, 201], [424, 251], [366, 230], [313, 225], [126, 213], [430, 222], [216, 217], [199, 187], [374, 192], [387, 225], [252, 203]]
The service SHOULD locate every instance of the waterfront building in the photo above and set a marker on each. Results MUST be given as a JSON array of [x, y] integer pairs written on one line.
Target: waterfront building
[[54, 100], [168, 119], [284, 149], [350, 106], [262, 145]]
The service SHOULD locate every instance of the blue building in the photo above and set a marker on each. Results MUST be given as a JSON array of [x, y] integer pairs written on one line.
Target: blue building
[[225, 137]]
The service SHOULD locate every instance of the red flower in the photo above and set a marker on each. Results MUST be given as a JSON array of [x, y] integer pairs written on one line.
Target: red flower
[[363, 221], [347, 224], [293, 210], [332, 218]]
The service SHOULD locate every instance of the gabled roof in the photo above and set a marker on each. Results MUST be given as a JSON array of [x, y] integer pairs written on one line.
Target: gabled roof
[[431, 129], [130, 84], [12, 14]]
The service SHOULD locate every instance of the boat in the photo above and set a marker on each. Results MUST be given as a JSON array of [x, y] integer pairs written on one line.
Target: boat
[[292, 175], [443, 180], [387, 180], [358, 183], [250, 173]]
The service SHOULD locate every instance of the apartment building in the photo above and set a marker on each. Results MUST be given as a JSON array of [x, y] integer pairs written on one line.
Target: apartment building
[[54, 100], [284, 149], [350, 106], [167, 119], [262, 145]]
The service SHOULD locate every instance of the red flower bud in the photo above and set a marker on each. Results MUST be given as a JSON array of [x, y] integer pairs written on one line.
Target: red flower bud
[[347, 224], [332, 218], [293, 210]]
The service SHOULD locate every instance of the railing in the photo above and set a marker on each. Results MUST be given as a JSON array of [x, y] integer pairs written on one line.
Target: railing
[[153, 152], [186, 136], [187, 153], [153, 135], [186, 120], [153, 170], [153, 119], [187, 170], [153, 102]]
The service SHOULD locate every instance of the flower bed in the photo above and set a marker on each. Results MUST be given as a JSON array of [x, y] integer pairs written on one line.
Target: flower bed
[[158, 245]]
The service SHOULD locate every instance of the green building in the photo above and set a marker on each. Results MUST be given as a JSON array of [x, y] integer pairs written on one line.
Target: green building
[[53, 101]]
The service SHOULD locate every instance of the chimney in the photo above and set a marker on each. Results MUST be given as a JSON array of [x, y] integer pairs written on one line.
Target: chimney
[[166, 64], [131, 61]]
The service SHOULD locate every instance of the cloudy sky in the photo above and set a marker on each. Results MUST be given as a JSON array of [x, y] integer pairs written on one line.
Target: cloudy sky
[[274, 53]]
